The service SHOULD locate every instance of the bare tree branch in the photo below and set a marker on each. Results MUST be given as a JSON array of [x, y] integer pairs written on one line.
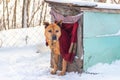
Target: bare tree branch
[[4, 15], [27, 10], [119, 2], [42, 7], [45, 13], [7, 14], [33, 15], [14, 14], [115, 1]]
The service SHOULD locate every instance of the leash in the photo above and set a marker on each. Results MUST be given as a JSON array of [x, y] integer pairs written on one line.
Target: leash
[[92, 73]]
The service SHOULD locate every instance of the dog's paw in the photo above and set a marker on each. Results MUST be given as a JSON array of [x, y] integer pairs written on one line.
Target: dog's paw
[[53, 72], [61, 73]]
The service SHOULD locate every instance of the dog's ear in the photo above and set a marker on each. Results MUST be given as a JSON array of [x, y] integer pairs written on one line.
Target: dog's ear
[[46, 24], [59, 23]]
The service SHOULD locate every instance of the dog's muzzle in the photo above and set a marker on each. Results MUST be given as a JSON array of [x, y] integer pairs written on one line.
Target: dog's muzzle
[[54, 37]]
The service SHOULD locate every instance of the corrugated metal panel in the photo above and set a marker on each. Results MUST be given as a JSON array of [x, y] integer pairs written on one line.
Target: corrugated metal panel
[[101, 40]]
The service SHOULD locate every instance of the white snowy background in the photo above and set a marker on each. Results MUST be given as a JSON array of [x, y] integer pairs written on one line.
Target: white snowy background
[[24, 63]]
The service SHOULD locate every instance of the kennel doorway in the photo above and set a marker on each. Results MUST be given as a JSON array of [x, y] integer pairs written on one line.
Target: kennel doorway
[[98, 32]]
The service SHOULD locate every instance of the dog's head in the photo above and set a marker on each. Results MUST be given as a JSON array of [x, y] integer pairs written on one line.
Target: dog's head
[[52, 31]]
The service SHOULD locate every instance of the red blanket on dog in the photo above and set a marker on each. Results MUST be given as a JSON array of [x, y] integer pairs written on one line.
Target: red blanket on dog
[[68, 41]]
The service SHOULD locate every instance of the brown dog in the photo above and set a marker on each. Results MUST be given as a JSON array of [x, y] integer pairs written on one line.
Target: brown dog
[[52, 34]]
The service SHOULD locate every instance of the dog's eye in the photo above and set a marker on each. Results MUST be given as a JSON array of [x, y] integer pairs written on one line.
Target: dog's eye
[[57, 31], [50, 31]]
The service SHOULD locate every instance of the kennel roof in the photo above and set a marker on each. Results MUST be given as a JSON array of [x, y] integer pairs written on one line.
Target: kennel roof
[[89, 4]]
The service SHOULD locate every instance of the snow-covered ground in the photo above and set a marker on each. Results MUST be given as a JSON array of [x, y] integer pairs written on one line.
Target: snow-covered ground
[[24, 63]]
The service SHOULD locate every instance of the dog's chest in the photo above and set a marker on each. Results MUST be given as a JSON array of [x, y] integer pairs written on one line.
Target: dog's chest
[[55, 47]]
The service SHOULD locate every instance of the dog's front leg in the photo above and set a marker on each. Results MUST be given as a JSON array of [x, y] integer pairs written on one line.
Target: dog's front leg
[[64, 66], [55, 64]]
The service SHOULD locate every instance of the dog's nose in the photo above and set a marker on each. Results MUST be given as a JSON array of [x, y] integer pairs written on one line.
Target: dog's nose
[[54, 37]]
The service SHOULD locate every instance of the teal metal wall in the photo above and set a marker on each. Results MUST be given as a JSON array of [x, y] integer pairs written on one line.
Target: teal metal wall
[[101, 38]]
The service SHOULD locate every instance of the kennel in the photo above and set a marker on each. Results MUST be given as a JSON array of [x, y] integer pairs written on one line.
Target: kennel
[[98, 32]]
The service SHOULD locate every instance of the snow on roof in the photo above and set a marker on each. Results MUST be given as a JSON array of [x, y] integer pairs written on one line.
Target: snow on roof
[[75, 2], [108, 6], [87, 4]]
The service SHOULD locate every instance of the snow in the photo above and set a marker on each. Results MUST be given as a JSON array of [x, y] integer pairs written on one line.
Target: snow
[[108, 35], [24, 63], [108, 6], [89, 4], [76, 2], [22, 37]]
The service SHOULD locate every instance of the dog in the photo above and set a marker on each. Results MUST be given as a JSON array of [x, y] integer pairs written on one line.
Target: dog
[[52, 35]]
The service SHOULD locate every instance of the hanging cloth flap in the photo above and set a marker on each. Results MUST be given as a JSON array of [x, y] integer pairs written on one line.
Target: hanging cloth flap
[[68, 39], [68, 19]]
